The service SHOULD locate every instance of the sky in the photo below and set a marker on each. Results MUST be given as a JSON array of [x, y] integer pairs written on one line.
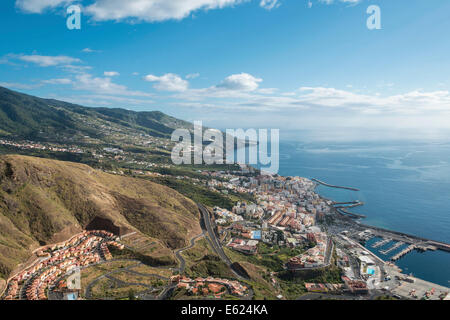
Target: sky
[[296, 65]]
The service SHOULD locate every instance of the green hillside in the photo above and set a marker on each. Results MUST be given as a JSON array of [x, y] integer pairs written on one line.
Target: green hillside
[[27, 117]]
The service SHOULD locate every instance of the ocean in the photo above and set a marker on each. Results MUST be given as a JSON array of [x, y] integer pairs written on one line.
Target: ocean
[[405, 187]]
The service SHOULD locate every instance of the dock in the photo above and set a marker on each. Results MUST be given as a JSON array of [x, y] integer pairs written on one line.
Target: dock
[[381, 243], [395, 246], [403, 252], [365, 232], [348, 205], [350, 214], [344, 203], [424, 243], [333, 186]]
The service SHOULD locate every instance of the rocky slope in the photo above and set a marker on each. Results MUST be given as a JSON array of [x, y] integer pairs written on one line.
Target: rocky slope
[[44, 201]]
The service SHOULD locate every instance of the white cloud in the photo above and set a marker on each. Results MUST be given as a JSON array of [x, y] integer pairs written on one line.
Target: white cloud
[[48, 61], [152, 10], [19, 86], [111, 73], [351, 2], [168, 82], [38, 6], [140, 10], [57, 81], [87, 82], [148, 10], [76, 69], [240, 82], [411, 102], [269, 4], [193, 75], [89, 50], [104, 100]]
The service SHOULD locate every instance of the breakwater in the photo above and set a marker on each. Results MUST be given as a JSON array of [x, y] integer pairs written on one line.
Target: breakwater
[[350, 214], [333, 186]]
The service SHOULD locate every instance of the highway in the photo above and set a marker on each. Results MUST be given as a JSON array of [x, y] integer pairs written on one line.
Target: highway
[[212, 235]]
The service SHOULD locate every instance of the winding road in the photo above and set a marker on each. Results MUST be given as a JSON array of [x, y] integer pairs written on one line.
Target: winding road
[[180, 258], [212, 235], [165, 293], [166, 289]]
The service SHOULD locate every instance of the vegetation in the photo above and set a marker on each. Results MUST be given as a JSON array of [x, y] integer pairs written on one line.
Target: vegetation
[[209, 266], [293, 284], [201, 261], [197, 193], [272, 258], [28, 117], [386, 297], [145, 259], [109, 289]]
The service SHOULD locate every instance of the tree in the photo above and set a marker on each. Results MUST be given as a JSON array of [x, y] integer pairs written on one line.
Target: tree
[[131, 295]]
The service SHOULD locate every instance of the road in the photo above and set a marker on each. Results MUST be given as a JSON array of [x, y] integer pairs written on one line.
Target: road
[[179, 251], [166, 289], [217, 246], [166, 292]]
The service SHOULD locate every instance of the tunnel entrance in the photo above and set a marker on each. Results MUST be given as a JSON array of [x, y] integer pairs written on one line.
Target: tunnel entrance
[[99, 223]]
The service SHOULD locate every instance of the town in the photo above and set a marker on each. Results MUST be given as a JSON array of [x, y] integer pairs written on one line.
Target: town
[[58, 261], [275, 216], [289, 213]]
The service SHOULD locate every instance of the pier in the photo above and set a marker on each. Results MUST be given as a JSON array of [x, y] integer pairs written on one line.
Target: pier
[[350, 214], [348, 205], [381, 243], [349, 202], [395, 246], [403, 252], [332, 186]]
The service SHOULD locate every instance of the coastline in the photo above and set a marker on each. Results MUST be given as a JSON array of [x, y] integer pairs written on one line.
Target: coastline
[[355, 223]]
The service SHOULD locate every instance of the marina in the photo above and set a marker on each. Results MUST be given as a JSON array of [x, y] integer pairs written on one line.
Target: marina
[[394, 247], [403, 252], [381, 243]]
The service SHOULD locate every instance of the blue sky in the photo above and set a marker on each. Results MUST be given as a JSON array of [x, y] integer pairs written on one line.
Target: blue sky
[[288, 64]]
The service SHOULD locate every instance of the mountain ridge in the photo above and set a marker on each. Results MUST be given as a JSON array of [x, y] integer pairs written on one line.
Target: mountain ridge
[[29, 117]]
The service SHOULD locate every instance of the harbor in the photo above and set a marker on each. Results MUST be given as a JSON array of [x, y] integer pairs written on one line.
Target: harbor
[[391, 246], [399, 239]]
